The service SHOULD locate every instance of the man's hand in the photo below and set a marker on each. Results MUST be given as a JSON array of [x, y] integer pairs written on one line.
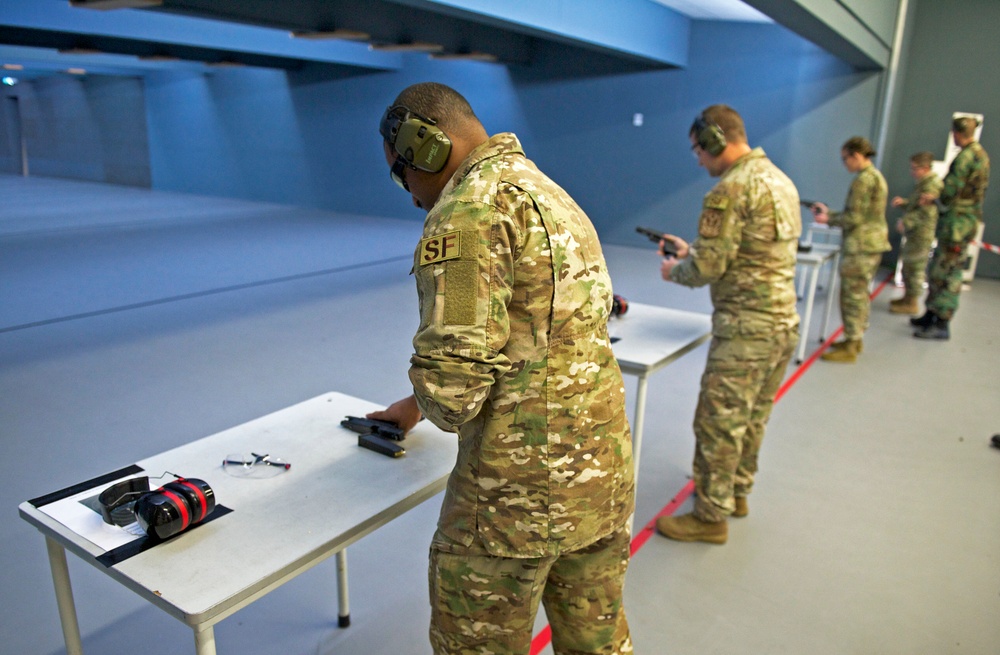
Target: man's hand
[[668, 263], [666, 266], [821, 213], [898, 201], [927, 199], [403, 413], [680, 245]]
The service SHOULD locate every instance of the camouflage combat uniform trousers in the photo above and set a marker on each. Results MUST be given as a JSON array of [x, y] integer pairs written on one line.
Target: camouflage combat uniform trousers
[[945, 279], [915, 255], [486, 605], [737, 395], [856, 274]]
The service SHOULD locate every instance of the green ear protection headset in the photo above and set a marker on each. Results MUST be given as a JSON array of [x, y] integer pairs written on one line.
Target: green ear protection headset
[[416, 140], [708, 135]]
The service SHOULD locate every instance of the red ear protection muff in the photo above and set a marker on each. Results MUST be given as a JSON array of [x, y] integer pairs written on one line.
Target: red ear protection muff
[[163, 513]]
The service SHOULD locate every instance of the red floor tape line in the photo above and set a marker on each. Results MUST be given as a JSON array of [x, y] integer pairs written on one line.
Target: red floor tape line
[[544, 636]]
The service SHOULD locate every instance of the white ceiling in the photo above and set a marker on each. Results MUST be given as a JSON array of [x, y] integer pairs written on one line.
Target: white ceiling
[[716, 10]]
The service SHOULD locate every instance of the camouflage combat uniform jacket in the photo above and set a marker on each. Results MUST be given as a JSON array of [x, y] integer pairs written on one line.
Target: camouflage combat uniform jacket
[[747, 241], [512, 352], [963, 193], [919, 221], [863, 218]]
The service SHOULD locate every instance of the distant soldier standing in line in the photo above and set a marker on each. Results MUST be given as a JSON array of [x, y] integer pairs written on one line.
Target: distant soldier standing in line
[[917, 227], [865, 238], [748, 235], [962, 198]]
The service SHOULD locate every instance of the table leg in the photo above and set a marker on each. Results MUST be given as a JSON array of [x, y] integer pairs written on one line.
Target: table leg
[[64, 597], [204, 640], [640, 413], [810, 300], [831, 294], [344, 614]]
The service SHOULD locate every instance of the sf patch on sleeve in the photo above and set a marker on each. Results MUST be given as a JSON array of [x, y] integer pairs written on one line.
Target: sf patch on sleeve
[[440, 248], [713, 211], [460, 292]]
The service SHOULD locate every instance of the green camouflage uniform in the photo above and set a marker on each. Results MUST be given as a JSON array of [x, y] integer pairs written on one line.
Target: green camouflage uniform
[[962, 195], [512, 353], [747, 240], [865, 238], [919, 222]]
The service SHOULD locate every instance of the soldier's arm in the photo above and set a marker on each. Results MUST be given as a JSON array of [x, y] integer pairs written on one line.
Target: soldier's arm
[[958, 175], [717, 244], [858, 203], [457, 350]]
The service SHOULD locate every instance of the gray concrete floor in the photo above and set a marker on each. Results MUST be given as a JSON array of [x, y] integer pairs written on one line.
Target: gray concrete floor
[[133, 321]]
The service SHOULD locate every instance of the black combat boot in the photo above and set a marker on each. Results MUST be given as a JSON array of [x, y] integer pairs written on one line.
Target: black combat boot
[[924, 320], [938, 329]]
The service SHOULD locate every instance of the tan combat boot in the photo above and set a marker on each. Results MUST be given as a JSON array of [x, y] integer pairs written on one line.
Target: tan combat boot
[[845, 351], [905, 305], [742, 509], [689, 527]]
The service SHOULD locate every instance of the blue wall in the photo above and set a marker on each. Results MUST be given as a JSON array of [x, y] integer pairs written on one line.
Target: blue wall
[[88, 128], [798, 102], [309, 137], [306, 139], [301, 137]]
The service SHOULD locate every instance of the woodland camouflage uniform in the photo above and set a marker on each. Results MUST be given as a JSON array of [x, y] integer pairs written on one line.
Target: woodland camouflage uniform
[[512, 353], [962, 195], [747, 241]]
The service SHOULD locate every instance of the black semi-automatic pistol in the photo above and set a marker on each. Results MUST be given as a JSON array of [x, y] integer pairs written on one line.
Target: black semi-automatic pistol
[[668, 250], [380, 436], [385, 429]]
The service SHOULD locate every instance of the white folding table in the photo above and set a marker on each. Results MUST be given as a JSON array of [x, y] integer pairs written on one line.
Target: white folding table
[[814, 261], [278, 527], [646, 339]]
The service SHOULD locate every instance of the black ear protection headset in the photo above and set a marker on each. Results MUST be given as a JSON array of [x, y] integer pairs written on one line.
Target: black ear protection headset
[[416, 140], [708, 135], [169, 510]]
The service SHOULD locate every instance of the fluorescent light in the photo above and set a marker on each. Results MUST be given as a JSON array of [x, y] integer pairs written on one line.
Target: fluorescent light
[[76, 71], [114, 4], [13, 67], [466, 56], [415, 46], [347, 35]]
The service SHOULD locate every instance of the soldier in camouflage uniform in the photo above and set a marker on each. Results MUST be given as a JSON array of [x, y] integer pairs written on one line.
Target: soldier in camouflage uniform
[[512, 353], [962, 197], [917, 227], [745, 251], [865, 238]]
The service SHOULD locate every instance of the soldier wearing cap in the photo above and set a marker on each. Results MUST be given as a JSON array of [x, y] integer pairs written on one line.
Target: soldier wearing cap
[[512, 354], [962, 199]]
